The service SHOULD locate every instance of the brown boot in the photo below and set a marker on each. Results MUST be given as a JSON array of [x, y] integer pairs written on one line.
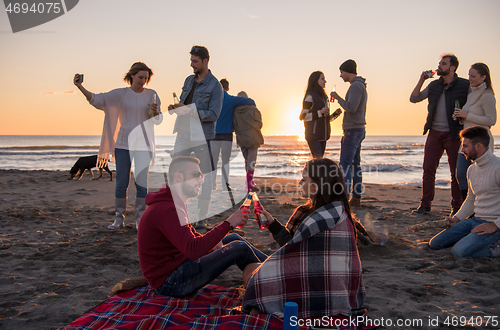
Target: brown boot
[[355, 201]]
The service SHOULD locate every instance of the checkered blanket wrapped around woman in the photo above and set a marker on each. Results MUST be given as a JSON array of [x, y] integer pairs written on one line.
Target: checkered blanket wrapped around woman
[[319, 269]]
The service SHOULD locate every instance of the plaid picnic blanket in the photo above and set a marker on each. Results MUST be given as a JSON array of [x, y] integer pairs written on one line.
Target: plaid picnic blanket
[[319, 269], [143, 309], [210, 308]]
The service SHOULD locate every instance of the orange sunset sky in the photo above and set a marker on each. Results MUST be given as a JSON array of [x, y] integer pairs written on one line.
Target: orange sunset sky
[[267, 48]]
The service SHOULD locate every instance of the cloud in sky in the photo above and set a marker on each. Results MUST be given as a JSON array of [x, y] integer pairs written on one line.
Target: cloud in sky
[[58, 93]]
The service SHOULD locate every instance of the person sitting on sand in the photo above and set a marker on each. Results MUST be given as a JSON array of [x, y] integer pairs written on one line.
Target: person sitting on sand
[[477, 236], [318, 267], [176, 260]]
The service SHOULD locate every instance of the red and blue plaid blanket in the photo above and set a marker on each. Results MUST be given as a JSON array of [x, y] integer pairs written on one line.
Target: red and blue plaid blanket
[[142, 309], [319, 269]]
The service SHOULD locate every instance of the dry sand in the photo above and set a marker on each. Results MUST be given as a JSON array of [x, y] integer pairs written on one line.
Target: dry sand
[[59, 260]]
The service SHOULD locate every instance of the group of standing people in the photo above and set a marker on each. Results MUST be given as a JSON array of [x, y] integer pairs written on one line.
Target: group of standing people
[[206, 118]]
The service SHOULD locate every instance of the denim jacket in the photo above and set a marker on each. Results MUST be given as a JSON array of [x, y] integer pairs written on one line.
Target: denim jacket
[[208, 98]]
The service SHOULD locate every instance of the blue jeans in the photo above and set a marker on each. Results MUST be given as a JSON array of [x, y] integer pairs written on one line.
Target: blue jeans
[[191, 275], [222, 144], [317, 148], [123, 158], [465, 243], [462, 166], [350, 160]]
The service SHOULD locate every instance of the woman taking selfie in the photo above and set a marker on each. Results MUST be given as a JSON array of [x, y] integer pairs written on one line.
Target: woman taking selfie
[[128, 134]]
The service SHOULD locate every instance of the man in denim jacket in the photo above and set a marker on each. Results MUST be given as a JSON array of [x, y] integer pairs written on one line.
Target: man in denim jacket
[[197, 113]]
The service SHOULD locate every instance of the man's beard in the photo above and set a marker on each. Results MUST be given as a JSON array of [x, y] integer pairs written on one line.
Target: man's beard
[[189, 191], [471, 156], [443, 73]]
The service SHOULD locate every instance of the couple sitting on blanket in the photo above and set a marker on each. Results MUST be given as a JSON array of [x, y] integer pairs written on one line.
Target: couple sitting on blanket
[[317, 266]]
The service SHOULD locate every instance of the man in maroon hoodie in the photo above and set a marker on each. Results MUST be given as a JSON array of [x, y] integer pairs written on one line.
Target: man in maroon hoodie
[[175, 259]]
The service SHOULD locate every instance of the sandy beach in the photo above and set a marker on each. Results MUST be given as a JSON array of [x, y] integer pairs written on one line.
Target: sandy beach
[[59, 260]]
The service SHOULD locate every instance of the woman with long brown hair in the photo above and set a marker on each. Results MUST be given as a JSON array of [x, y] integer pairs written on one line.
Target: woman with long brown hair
[[318, 265]]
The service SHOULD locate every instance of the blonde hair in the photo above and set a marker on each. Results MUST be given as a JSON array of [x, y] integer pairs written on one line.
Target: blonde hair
[[136, 67]]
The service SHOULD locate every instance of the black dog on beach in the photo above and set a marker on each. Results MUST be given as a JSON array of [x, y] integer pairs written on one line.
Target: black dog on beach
[[87, 163]]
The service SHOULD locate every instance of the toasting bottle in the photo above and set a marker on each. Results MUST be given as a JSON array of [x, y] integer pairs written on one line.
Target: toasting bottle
[[332, 99], [246, 205], [257, 209]]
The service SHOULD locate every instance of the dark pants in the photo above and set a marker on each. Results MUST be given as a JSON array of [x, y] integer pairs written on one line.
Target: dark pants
[[317, 148], [192, 275], [435, 145]]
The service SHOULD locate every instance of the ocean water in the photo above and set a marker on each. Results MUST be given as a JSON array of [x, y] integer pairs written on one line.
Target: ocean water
[[385, 159]]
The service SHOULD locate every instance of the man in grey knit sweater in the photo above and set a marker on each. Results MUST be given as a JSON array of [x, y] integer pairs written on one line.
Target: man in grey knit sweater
[[477, 236], [354, 130]]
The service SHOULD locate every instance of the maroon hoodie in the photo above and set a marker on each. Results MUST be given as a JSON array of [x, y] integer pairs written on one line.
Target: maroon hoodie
[[163, 243]]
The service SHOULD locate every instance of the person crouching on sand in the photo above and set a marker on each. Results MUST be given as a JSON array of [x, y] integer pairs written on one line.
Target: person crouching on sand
[[318, 245], [176, 260]]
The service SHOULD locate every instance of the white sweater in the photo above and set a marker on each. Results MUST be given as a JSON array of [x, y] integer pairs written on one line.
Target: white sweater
[[134, 111], [483, 178], [481, 106]]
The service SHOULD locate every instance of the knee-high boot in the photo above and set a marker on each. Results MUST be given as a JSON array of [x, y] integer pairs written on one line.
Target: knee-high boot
[[251, 186], [140, 207], [120, 208]]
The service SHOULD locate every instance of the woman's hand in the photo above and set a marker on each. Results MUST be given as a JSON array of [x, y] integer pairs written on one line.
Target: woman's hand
[[75, 78], [325, 111], [460, 113], [153, 110], [268, 215], [81, 88]]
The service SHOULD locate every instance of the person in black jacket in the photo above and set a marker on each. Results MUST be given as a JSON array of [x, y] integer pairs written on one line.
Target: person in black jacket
[[316, 114], [443, 129], [322, 183]]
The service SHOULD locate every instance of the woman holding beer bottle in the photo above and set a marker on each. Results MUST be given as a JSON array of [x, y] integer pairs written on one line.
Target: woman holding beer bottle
[[316, 114], [480, 110], [318, 232], [127, 134]]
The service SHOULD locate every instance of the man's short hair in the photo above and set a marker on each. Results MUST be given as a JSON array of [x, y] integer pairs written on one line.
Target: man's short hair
[[453, 60], [200, 51], [176, 165], [225, 84], [476, 134]]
